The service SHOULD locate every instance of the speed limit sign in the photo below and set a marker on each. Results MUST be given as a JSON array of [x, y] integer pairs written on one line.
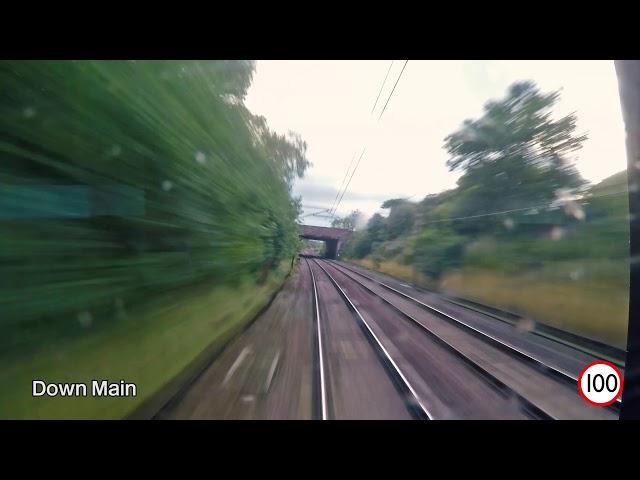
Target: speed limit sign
[[600, 383]]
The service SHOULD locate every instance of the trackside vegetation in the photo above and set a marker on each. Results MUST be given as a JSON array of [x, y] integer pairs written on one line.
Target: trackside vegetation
[[146, 213], [522, 229]]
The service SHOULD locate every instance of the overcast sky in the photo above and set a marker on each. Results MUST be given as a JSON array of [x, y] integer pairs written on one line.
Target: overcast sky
[[329, 103]]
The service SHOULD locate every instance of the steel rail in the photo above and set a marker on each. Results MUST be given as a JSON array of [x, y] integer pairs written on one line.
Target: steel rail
[[502, 345], [416, 406], [324, 414], [528, 406]]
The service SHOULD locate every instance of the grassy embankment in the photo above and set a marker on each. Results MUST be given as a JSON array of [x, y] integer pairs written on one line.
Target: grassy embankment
[[571, 276], [157, 342], [593, 303]]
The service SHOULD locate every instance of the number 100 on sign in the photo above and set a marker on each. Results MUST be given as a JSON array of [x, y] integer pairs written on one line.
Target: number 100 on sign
[[600, 383]]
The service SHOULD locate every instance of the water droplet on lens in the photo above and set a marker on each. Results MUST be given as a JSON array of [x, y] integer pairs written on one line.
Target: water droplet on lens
[[525, 325], [115, 151], [85, 319], [556, 233], [576, 212]]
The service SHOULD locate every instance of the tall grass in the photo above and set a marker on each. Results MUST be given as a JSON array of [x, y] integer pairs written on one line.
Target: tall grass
[[588, 305], [160, 339]]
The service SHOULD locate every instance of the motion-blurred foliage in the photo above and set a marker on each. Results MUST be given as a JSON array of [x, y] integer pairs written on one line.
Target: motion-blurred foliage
[[125, 179], [519, 208]]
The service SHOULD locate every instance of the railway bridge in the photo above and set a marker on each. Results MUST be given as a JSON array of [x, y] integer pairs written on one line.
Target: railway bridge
[[333, 237]]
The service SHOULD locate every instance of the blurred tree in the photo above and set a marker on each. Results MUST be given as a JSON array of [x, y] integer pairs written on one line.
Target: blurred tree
[[287, 152], [376, 228], [393, 202], [609, 198], [359, 246], [175, 181], [401, 217], [437, 250], [349, 222], [514, 156]]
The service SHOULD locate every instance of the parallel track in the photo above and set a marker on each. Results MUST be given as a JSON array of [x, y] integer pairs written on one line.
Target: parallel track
[[528, 407], [504, 346]]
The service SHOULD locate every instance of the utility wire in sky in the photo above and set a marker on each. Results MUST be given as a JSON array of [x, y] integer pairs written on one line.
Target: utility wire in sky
[[347, 186], [381, 87], [317, 213], [555, 203], [394, 89], [342, 183], [374, 106], [350, 163]]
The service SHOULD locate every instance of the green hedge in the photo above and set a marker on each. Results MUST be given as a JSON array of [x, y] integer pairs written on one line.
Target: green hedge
[[122, 180]]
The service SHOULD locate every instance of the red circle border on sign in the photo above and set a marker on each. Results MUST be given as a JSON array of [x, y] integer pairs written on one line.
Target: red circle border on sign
[[606, 404]]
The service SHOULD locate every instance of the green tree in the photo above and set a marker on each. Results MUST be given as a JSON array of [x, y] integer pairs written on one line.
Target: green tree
[[288, 153], [178, 183], [401, 217], [377, 228], [393, 202], [349, 222], [437, 250], [514, 156], [359, 246]]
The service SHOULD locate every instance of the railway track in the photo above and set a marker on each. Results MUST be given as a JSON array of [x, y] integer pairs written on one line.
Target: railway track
[[339, 344], [400, 302], [326, 385], [530, 409], [575, 343], [493, 399], [321, 410]]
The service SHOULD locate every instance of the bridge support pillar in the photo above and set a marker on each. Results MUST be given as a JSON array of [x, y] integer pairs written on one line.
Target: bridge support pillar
[[332, 249]]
